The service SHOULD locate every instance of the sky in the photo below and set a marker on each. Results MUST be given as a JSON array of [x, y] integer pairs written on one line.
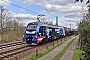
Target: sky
[[67, 12]]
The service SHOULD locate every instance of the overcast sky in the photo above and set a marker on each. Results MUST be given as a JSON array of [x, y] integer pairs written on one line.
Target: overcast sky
[[67, 12]]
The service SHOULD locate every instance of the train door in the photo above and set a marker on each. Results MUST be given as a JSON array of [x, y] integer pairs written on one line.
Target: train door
[[42, 34], [57, 30]]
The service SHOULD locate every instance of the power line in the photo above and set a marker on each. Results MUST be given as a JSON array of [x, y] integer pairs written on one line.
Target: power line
[[20, 7]]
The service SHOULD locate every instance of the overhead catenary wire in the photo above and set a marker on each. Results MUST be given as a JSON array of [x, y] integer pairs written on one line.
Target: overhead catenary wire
[[21, 7]]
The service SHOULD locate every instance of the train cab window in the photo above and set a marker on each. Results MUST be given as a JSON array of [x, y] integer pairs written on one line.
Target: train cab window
[[29, 27]]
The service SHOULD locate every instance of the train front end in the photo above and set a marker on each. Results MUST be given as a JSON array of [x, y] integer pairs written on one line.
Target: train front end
[[30, 34]]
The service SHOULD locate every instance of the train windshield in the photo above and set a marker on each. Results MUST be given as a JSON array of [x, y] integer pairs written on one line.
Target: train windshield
[[31, 27]]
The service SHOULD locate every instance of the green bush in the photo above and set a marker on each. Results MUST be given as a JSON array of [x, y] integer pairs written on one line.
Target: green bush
[[84, 36]]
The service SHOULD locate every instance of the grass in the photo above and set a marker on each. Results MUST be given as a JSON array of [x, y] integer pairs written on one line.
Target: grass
[[60, 54], [77, 53], [11, 36], [44, 52], [7, 41]]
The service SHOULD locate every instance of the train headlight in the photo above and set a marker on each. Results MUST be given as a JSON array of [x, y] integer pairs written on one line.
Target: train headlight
[[32, 32], [27, 32], [23, 35]]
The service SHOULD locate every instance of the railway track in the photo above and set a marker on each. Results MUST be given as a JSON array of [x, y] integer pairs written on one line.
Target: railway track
[[10, 49], [18, 50]]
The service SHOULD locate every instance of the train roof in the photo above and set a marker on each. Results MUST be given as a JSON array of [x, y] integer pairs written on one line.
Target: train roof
[[42, 24], [50, 26]]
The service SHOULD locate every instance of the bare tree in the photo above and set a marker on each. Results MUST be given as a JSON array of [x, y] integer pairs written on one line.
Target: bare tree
[[4, 17], [87, 2]]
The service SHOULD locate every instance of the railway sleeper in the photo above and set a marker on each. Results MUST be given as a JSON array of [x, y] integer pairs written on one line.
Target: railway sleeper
[[19, 43], [15, 52], [14, 44], [3, 52]]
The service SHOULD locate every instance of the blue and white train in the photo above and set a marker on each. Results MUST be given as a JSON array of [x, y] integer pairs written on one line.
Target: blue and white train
[[37, 32]]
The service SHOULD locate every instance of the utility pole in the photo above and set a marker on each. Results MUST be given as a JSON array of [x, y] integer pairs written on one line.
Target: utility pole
[[1, 18], [70, 26], [1, 8], [1, 21]]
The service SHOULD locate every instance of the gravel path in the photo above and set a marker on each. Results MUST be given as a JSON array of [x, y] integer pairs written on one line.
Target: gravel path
[[53, 53], [69, 53]]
